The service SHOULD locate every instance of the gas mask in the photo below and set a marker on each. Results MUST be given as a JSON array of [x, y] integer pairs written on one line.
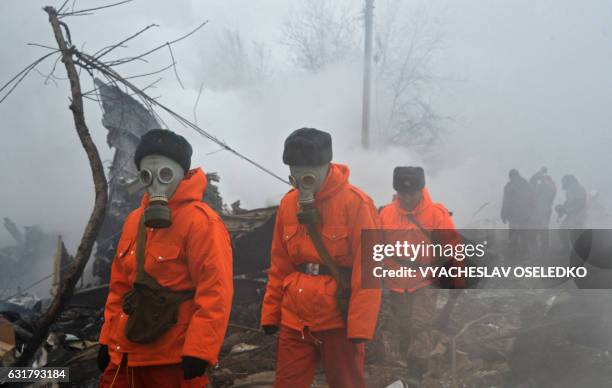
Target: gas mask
[[307, 180], [160, 176]]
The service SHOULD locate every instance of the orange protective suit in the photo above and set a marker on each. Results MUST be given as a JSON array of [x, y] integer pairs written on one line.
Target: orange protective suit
[[194, 253], [297, 359], [432, 217], [413, 300], [296, 300], [156, 376]]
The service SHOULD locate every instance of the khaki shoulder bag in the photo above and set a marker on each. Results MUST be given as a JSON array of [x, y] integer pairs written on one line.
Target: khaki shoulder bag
[[151, 307]]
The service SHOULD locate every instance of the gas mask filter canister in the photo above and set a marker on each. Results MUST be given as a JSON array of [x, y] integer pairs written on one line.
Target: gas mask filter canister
[[160, 176]]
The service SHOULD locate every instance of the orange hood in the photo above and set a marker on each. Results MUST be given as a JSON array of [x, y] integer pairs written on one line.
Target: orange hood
[[336, 180], [191, 188]]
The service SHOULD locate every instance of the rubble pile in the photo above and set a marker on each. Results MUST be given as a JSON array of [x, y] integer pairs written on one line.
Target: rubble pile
[[509, 338], [516, 338], [495, 338], [72, 340], [501, 338], [23, 262]]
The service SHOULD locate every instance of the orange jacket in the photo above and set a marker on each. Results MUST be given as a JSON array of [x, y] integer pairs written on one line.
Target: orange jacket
[[297, 300], [431, 216], [193, 254]]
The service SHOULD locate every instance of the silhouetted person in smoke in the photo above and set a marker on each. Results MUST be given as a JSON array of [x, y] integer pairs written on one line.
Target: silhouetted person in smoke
[[544, 192], [573, 211], [517, 208], [598, 214]]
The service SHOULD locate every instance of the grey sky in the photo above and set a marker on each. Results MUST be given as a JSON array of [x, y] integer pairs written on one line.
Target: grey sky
[[528, 84]]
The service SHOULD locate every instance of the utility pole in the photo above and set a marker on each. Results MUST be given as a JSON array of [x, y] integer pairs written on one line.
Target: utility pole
[[367, 68]]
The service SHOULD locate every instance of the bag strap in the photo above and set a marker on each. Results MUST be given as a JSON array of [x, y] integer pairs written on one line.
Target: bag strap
[[416, 222], [317, 241], [141, 243], [142, 277], [427, 233]]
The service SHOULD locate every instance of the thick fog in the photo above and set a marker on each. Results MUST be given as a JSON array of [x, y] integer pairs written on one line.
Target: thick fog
[[519, 84]]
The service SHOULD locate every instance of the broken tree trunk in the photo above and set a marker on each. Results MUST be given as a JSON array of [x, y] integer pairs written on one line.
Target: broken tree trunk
[[101, 196]]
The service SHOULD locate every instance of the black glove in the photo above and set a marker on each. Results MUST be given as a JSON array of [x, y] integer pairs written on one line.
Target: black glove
[[357, 341], [270, 329], [103, 357], [193, 367]]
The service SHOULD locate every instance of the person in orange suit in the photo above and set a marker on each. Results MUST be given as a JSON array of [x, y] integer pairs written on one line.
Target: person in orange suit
[[414, 301], [301, 298], [187, 251]]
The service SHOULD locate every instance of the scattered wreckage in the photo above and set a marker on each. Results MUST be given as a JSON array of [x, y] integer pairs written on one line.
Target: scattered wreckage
[[73, 338], [494, 338]]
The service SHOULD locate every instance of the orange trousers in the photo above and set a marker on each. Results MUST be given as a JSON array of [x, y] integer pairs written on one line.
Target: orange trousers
[[298, 353], [154, 376]]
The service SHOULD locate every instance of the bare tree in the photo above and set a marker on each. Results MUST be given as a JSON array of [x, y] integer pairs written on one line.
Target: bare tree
[[321, 32], [406, 43], [66, 287], [75, 60], [237, 62], [405, 50]]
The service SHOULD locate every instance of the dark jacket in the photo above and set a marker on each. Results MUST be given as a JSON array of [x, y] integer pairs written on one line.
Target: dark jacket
[[517, 203]]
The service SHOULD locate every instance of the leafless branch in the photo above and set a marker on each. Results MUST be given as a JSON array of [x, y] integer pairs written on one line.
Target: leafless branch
[[215, 152], [405, 51], [152, 73], [106, 47], [79, 14], [76, 13], [51, 74], [109, 72], [235, 62], [195, 106], [19, 77], [41, 45], [59, 10], [321, 32], [152, 84], [79, 60], [92, 98], [127, 60], [67, 31], [174, 66], [120, 44], [46, 77]]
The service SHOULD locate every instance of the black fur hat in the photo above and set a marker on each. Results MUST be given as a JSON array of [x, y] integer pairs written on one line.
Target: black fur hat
[[166, 143], [308, 147], [408, 179]]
